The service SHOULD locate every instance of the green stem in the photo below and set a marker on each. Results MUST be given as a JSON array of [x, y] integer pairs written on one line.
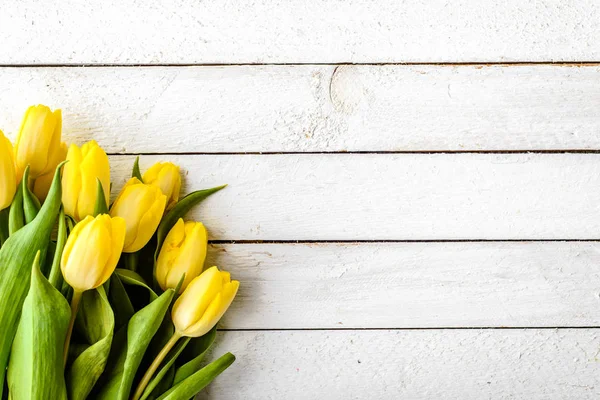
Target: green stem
[[154, 366], [131, 261], [3, 226], [74, 307]]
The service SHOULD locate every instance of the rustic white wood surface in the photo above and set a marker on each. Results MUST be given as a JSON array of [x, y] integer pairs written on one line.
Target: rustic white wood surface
[[298, 31], [410, 364], [315, 108], [359, 308], [392, 196], [412, 285]]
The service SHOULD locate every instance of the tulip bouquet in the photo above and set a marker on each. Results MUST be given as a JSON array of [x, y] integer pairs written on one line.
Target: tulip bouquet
[[97, 300]]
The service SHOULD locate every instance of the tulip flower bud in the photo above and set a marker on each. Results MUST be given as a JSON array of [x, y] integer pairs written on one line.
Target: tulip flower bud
[[8, 175], [165, 175], [38, 143], [183, 252], [204, 302], [92, 251], [142, 207], [86, 165], [42, 184]]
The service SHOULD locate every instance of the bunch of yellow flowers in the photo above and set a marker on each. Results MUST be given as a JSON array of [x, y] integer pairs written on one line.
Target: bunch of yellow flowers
[[93, 292]]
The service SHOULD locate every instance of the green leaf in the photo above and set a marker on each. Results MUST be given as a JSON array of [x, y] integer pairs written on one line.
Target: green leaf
[[136, 169], [109, 382], [133, 278], [120, 302], [140, 330], [101, 206], [96, 323], [165, 384], [199, 380], [31, 204], [197, 349], [168, 364], [35, 370], [16, 215], [182, 207], [55, 277], [16, 258]]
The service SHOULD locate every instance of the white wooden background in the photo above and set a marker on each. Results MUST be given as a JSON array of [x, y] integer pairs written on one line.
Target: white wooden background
[[414, 199]]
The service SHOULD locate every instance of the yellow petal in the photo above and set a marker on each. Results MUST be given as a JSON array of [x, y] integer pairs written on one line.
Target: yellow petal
[[8, 174], [39, 141], [190, 306], [92, 251], [142, 207], [71, 181], [214, 311], [166, 176], [117, 228], [94, 166], [188, 258], [168, 253]]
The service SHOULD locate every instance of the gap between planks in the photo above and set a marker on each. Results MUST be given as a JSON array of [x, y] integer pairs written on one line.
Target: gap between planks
[[424, 152], [333, 241], [442, 328], [572, 63]]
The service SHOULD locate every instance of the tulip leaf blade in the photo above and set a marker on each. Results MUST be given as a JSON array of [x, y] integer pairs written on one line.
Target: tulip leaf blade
[[31, 204], [55, 276], [96, 323], [119, 299], [101, 206], [135, 173], [16, 215], [197, 349], [180, 209], [140, 330], [16, 257], [41, 331], [168, 364], [133, 278], [199, 380]]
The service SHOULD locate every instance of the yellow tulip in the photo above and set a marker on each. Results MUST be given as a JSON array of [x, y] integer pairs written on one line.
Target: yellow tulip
[[195, 313], [166, 176], [38, 143], [142, 207], [92, 251], [183, 252], [79, 180], [203, 302], [42, 184], [8, 175]]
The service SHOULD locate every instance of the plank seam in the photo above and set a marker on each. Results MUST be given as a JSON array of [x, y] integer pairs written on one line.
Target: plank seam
[[451, 328], [334, 241], [408, 152], [441, 64]]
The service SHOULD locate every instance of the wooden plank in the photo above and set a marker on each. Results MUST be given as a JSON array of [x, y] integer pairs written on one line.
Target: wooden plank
[[412, 285], [299, 31], [390, 365], [392, 196], [315, 108]]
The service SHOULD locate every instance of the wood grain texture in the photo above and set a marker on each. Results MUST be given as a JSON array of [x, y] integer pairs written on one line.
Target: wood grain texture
[[412, 285], [315, 108], [392, 196], [390, 365], [298, 31]]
